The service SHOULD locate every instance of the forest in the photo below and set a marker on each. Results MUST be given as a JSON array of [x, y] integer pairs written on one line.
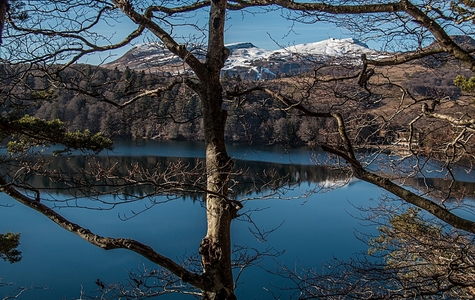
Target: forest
[[176, 114]]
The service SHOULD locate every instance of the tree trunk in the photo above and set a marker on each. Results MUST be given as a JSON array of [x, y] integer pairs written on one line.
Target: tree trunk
[[215, 248]]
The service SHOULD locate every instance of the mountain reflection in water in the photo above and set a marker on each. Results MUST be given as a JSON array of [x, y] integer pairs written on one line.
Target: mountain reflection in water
[[314, 229], [250, 176]]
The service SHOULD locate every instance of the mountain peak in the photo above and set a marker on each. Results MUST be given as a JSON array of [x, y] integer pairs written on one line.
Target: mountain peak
[[348, 41], [331, 47], [243, 45], [246, 59]]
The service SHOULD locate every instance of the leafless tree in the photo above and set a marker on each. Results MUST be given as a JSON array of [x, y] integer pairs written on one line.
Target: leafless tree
[[32, 45], [414, 256]]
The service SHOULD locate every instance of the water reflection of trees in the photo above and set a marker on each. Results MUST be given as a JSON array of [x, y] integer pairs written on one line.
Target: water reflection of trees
[[61, 175], [443, 189], [66, 176]]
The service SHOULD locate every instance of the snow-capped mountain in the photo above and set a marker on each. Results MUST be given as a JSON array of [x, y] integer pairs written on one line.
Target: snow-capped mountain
[[332, 47], [262, 64], [247, 60], [154, 57]]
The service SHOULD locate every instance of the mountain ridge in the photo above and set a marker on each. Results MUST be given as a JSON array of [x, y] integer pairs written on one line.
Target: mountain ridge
[[254, 63], [246, 59]]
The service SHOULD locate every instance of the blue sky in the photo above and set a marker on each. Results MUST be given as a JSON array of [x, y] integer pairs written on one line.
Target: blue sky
[[265, 30]]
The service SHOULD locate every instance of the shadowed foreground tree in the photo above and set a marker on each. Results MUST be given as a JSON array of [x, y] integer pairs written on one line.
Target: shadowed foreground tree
[[53, 36], [9, 243], [414, 256]]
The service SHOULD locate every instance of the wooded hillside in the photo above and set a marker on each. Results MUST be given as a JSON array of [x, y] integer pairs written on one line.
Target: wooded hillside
[[253, 118]]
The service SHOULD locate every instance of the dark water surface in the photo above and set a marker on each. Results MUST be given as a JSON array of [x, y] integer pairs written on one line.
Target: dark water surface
[[313, 230]]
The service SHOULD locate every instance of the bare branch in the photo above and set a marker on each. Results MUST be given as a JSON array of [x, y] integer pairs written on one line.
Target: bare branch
[[320, 6], [146, 21], [106, 243], [441, 35], [154, 92], [179, 9], [349, 155], [466, 122], [3, 12], [398, 59]]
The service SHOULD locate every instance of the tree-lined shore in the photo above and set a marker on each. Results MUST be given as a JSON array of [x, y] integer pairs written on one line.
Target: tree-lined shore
[[253, 118]]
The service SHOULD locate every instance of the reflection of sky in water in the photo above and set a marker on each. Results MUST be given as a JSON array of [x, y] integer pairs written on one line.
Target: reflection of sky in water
[[314, 231], [243, 151]]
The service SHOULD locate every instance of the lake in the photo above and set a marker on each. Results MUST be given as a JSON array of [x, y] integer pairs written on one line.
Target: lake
[[311, 230]]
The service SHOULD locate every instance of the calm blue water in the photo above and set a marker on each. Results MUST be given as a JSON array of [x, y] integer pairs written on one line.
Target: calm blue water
[[274, 153], [313, 231]]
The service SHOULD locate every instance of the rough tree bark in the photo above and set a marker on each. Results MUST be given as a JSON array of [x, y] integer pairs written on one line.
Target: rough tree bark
[[215, 248]]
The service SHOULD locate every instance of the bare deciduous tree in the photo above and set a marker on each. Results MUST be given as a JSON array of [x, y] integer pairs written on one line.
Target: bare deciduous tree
[[32, 45]]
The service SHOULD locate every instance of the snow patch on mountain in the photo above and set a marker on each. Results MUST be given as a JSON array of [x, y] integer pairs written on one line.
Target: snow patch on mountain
[[331, 47], [247, 59], [244, 54], [258, 63], [158, 54]]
